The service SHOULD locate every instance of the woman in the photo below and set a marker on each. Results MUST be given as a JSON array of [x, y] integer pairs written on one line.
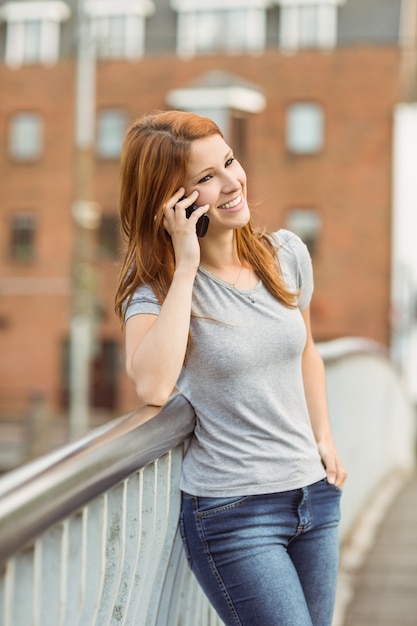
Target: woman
[[225, 319]]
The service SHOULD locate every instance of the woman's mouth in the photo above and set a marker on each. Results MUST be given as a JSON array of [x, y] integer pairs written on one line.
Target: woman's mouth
[[231, 204]]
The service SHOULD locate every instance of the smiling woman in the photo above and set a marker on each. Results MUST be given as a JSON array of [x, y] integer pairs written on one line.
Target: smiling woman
[[222, 185], [262, 454]]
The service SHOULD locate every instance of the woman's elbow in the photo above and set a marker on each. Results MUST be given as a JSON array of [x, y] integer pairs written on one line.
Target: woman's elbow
[[150, 393], [152, 397]]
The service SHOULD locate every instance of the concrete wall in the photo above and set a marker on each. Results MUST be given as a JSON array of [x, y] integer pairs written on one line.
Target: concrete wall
[[374, 425]]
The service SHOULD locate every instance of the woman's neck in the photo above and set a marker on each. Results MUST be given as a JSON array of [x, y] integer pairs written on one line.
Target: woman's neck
[[220, 258], [219, 254]]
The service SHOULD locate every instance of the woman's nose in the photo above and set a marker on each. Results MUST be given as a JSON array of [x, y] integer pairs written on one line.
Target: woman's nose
[[230, 182]]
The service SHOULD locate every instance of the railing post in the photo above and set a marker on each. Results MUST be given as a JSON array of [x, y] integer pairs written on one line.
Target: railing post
[[36, 427]]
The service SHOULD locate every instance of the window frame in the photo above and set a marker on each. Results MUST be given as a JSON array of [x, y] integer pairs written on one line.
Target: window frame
[[17, 150], [28, 238], [102, 150], [309, 227], [290, 29], [293, 143], [109, 231], [48, 15], [189, 13], [101, 12]]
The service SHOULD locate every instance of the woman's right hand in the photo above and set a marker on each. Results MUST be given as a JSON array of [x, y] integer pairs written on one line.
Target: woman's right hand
[[182, 230]]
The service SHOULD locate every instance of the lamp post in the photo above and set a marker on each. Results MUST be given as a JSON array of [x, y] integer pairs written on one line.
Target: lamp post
[[86, 217]]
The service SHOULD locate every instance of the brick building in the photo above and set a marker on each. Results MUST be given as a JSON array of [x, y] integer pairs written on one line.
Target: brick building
[[305, 91]]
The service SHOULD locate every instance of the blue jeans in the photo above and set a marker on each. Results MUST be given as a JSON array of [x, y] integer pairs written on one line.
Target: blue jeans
[[266, 560]]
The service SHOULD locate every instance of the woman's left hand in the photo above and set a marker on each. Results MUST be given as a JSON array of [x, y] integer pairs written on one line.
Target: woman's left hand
[[335, 470]]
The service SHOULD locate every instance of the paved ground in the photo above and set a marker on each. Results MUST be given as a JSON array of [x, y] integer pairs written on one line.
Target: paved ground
[[385, 588]]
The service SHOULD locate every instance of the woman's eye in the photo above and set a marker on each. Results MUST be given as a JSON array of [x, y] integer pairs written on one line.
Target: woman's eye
[[205, 178], [230, 161]]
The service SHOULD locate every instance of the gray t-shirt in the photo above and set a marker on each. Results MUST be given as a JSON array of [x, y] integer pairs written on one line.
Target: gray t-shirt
[[243, 378]]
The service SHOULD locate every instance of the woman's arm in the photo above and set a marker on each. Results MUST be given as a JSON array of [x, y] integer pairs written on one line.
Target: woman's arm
[[315, 391], [156, 344]]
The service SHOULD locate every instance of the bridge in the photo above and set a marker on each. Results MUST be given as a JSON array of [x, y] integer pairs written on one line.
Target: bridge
[[88, 532]]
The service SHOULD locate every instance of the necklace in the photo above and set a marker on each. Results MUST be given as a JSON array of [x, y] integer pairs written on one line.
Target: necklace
[[242, 293], [237, 278], [234, 286], [245, 294]]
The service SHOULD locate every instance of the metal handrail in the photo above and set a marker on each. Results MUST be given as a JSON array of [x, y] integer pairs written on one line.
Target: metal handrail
[[45, 491], [343, 347]]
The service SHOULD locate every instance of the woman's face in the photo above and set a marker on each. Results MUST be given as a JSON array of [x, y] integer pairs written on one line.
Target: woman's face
[[220, 181]]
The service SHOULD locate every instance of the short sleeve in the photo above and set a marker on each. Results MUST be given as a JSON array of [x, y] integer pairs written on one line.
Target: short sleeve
[[296, 265], [144, 300]]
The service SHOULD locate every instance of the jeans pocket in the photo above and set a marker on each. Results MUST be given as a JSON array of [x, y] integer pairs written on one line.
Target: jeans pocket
[[333, 486], [214, 506]]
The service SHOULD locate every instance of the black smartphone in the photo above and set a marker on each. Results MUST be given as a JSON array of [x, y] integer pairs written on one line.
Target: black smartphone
[[202, 222]]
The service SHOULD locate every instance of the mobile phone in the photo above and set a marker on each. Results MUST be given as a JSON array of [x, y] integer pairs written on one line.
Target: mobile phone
[[202, 222]]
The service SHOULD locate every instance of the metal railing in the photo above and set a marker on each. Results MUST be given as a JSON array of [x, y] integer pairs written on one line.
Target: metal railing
[[88, 533]]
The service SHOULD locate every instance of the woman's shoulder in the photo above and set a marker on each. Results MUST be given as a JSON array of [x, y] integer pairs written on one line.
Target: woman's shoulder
[[295, 261], [287, 241], [143, 300]]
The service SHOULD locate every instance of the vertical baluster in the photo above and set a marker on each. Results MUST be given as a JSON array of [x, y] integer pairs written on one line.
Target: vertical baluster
[[72, 564], [157, 538], [115, 543], [169, 607], [172, 547], [127, 585], [94, 555], [136, 615], [48, 547], [8, 579], [168, 487], [2, 594], [23, 588]]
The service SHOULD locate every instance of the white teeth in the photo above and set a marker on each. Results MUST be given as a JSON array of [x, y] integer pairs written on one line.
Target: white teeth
[[230, 205]]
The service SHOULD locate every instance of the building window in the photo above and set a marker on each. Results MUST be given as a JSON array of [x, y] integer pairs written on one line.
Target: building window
[[110, 36], [104, 370], [118, 28], [207, 26], [308, 24], [31, 41], [109, 236], [239, 135], [226, 99], [104, 374], [22, 237], [26, 137], [33, 31], [306, 223], [111, 128], [305, 128]]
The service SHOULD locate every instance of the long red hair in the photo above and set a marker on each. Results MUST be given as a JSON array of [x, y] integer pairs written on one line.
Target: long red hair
[[155, 155]]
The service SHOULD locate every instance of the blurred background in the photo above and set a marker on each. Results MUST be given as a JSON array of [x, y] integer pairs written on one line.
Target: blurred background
[[318, 100]]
